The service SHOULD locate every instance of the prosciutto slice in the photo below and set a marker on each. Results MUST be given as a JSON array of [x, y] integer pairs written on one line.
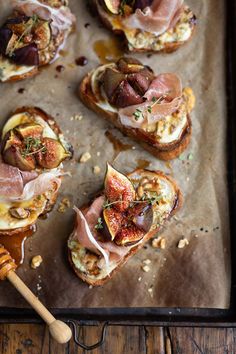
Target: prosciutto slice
[[86, 234], [62, 18], [16, 185], [157, 18], [163, 98]]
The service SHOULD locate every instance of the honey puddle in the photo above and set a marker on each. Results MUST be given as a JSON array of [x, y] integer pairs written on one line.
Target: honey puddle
[[15, 244], [143, 163], [117, 144], [108, 50]]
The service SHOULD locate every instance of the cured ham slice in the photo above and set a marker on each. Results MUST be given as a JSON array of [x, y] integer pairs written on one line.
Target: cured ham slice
[[86, 234], [157, 18], [62, 18], [163, 98], [16, 185]]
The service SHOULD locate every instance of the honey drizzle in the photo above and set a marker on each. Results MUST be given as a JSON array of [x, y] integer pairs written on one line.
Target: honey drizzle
[[143, 163], [14, 244], [108, 50], [117, 144]]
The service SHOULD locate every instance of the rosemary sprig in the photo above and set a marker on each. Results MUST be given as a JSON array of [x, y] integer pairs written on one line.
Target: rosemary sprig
[[32, 146]]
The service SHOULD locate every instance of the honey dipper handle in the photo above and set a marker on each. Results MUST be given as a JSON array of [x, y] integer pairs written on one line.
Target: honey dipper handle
[[58, 329]]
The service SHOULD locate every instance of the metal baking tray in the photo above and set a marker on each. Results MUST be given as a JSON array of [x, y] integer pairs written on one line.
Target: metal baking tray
[[169, 316]]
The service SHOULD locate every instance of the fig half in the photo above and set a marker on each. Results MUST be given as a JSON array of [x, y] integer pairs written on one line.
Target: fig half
[[14, 156], [51, 154], [129, 235], [118, 189], [29, 130], [42, 35], [27, 55], [112, 222]]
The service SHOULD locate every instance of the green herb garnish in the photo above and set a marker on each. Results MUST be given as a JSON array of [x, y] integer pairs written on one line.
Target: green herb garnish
[[137, 114], [32, 146], [99, 225]]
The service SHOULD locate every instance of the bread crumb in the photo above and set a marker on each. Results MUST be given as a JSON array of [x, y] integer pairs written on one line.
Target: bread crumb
[[77, 117], [139, 279], [64, 204], [145, 268], [159, 242], [36, 261], [182, 243], [96, 170], [147, 261], [98, 153], [90, 286], [85, 157]]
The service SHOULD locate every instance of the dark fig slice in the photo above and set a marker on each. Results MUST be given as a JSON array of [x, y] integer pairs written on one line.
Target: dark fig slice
[[142, 4], [118, 189], [42, 35], [27, 55], [20, 18], [10, 139], [29, 130], [125, 96], [113, 6], [5, 37], [141, 81], [112, 222], [129, 65], [129, 235], [51, 154], [111, 80], [13, 156], [142, 216]]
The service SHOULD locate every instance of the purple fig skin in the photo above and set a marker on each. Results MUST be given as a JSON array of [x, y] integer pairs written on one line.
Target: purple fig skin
[[17, 20], [5, 36], [142, 4], [27, 55]]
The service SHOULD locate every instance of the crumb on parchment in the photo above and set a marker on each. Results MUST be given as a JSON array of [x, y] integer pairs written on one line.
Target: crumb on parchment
[[159, 242], [36, 261], [182, 243], [85, 157], [63, 205]]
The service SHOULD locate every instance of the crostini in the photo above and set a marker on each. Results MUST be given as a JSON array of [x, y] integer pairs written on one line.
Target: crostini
[[117, 223], [32, 151], [32, 36], [152, 109], [149, 25]]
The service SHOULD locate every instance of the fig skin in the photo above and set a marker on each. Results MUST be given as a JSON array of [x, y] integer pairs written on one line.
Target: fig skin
[[5, 37], [129, 235], [118, 188], [111, 79], [125, 96], [142, 4], [27, 55], [53, 154], [129, 65], [14, 157], [142, 216]]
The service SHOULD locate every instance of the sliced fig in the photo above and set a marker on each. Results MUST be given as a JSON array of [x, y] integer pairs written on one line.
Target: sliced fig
[[10, 139], [142, 4], [20, 18], [129, 65], [118, 189], [129, 235], [111, 80], [29, 130], [5, 37], [141, 81], [125, 96], [27, 55], [142, 216], [14, 156], [113, 6], [112, 222], [51, 154], [42, 35]]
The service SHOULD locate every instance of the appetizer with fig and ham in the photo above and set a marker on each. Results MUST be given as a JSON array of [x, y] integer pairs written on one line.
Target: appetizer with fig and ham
[[32, 36], [152, 109], [117, 223], [149, 25], [32, 151]]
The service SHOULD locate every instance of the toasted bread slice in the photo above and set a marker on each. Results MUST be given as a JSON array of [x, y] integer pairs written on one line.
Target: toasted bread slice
[[48, 44], [163, 151], [86, 263], [40, 204], [140, 41]]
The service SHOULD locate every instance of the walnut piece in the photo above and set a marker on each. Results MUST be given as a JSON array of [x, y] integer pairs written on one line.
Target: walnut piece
[[159, 242], [182, 243], [36, 261], [85, 157], [19, 213]]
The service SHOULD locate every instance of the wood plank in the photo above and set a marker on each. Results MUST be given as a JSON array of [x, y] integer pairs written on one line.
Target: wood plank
[[203, 340]]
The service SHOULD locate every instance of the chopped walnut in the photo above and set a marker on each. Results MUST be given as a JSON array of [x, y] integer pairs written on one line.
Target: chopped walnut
[[64, 204], [36, 261], [85, 157], [159, 242], [145, 268], [182, 243], [147, 261], [19, 213], [96, 170]]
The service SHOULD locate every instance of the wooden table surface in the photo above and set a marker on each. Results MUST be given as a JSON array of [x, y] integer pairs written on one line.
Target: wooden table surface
[[35, 339]]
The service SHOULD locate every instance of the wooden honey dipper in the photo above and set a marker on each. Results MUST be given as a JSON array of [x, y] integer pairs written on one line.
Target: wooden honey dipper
[[58, 329]]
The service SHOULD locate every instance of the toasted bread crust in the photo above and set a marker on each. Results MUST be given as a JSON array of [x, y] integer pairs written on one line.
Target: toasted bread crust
[[168, 47], [134, 250], [21, 77], [161, 151]]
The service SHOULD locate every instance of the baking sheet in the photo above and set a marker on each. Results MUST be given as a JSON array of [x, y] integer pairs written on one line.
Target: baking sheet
[[195, 276]]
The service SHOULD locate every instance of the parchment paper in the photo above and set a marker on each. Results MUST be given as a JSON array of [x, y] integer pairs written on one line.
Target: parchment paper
[[195, 276]]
